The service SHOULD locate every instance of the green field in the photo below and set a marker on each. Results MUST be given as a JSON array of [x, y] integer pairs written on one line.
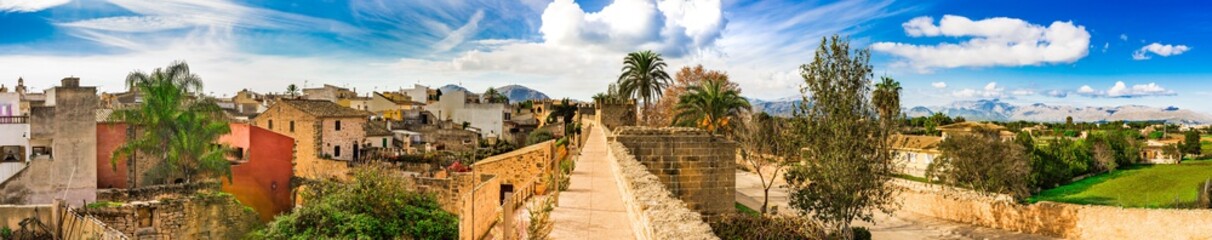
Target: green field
[[1158, 186]]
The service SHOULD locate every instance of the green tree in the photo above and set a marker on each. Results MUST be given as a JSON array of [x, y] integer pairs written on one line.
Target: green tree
[[765, 148], [176, 124], [565, 112], [984, 162], [493, 96], [887, 99], [847, 161], [377, 204], [1191, 144], [710, 106], [292, 90], [643, 77]]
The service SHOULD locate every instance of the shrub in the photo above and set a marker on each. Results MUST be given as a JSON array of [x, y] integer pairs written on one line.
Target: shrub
[[376, 204], [983, 162], [744, 226], [539, 136], [6, 233], [860, 233]]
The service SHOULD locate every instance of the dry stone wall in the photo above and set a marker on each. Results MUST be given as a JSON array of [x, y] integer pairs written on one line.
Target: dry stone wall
[[207, 216], [654, 212], [1061, 220], [698, 168]]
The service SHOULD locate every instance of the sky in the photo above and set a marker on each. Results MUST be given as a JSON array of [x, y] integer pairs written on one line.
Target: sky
[[1081, 53]]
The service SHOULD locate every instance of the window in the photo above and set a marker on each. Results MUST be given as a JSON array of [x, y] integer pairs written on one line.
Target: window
[[336, 151], [271, 124], [338, 125], [292, 126], [384, 143]]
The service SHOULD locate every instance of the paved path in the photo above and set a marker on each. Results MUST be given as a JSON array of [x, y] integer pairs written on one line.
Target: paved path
[[592, 207], [899, 225]]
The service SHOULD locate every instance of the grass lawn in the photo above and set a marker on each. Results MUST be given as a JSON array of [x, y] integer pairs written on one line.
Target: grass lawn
[[1156, 186], [746, 210]]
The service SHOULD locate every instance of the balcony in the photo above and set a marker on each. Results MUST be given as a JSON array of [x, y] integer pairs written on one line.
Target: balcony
[[14, 119]]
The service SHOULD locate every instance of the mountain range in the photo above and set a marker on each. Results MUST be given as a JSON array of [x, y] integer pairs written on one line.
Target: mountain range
[[997, 110], [515, 93]]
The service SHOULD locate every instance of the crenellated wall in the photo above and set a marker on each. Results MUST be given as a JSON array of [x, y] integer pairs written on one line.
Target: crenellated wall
[[695, 166], [654, 212]]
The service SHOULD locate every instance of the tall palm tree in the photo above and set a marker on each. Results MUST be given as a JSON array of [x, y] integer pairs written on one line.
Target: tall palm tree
[[887, 98], [711, 106], [493, 96], [643, 76], [175, 123]]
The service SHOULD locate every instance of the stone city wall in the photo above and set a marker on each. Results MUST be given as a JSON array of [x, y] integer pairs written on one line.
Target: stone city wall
[[62, 220], [655, 213], [203, 216], [616, 115], [1053, 219], [154, 192], [480, 208], [696, 167], [519, 166]]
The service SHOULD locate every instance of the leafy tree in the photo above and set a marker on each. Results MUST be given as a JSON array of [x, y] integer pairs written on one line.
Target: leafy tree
[[1157, 135], [847, 161], [982, 161], [292, 90], [539, 136], [1191, 144], [643, 77], [665, 109], [887, 98], [493, 96], [566, 112], [377, 204], [710, 106], [175, 124], [764, 146], [1060, 161]]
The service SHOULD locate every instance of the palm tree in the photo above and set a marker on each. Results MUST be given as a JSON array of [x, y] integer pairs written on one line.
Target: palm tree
[[175, 123], [887, 98], [564, 111], [710, 106], [643, 76], [493, 96], [292, 90]]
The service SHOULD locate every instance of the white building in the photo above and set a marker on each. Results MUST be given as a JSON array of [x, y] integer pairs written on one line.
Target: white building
[[14, 136], [489, 118]]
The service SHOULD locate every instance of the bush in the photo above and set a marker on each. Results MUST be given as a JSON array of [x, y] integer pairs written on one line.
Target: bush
[[983, 162], [744, 226], [377, 204], [539, 136], [6, 233]]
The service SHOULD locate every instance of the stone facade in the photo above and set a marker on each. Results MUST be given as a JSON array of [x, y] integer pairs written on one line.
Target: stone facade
[[202, 216], [696, 167], [1062, 220], [65, 125], [616, 115], [654, 211], [322, 151]]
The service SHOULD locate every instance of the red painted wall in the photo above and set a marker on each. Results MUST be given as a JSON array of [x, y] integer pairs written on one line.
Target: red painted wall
[[109, 137], [263, 180]]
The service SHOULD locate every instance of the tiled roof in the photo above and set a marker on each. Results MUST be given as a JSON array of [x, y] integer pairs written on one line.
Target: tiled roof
[[322, 108], [969, 126], [373, 128]]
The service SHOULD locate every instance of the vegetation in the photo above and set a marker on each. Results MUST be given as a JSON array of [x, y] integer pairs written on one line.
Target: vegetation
[[764, 145], [663, 112], [538, 136], [643, 77], [983, 162], [292, 90], [1149, 186], [102, 204], [377, 204], [493, 96], [566, 113], [711, 106], [741, 208], [611, 96], [887, 99], [540, 219], [176, 124], [1191, 144], [847, 159], [746, 226]]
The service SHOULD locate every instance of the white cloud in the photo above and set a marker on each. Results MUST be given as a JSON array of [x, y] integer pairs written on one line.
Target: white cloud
[[1106, 46], [939, 85], [130, 23], [1123, 37], [675, 28], [459, 35], [991, 90], [1164, 50], [29, 5], [1122, 90], [993, 42], [1023, 92], [1057, 93]]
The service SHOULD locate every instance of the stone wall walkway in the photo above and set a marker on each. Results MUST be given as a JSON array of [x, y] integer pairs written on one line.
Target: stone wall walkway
[[592, 207]]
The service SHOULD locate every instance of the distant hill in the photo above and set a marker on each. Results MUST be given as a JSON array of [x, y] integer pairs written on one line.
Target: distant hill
[[996, 110], [518, 93], [452, 88]]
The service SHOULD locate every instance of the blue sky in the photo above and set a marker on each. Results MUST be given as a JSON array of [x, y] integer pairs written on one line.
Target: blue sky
[[1086, 53]]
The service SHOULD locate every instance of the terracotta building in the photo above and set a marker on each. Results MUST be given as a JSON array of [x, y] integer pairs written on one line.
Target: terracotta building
[[328, 136]]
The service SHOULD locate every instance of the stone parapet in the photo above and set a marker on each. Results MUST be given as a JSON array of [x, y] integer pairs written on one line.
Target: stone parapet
[[695, 166], [654, 211]]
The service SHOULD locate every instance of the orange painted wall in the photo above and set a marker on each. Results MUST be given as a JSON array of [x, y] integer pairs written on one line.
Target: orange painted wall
[[263, 181], [109, 137]]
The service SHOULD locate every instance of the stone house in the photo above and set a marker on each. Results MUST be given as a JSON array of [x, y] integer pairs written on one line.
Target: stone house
[[392, 106], [329, 93], [422, 94], [358, 103], [62, 139], [1161, 151], [968, 128], [14, 136], [328, 136], [461, 106], [913, 154]]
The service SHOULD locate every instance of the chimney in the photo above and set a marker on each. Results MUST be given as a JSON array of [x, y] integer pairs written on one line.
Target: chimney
[[71, 82]]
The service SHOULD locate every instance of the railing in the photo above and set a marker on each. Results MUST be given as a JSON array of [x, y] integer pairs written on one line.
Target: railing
[[14, 119]]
